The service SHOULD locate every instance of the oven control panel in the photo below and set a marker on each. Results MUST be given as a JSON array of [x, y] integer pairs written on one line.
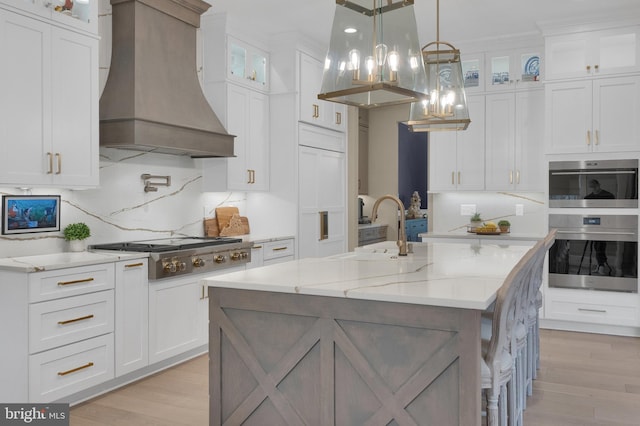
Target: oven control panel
[[177, 264]]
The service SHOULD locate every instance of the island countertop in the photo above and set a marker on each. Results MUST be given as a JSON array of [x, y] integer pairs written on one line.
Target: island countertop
[[456, 275]]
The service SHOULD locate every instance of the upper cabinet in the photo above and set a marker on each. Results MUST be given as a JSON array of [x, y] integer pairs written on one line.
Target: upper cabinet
[[247, 64], [473, 72], [514, 129], [82, 15], [593, 53], [312, 110], [456, 159], [49, 104], [237, 87], [513, 69], [599, 115]]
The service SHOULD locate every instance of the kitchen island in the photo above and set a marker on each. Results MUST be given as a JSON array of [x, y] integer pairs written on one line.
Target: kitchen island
[[366, 337]]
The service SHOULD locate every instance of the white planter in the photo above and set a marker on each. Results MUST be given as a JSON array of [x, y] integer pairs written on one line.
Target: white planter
[[77, 245]]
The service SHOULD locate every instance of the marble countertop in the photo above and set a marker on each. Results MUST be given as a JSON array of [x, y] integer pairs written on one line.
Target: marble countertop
[[458, 275], [463, 235], [263, 239], [47, 262], [371, 225]]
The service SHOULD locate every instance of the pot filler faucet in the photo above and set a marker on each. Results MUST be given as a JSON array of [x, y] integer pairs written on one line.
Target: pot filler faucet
[[402, 242]]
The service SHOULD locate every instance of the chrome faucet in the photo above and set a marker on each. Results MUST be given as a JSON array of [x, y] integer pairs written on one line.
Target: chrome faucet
[[402, 242]]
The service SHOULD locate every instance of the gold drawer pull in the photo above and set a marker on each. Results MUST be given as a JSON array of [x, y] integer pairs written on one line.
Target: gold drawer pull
[[73, 370], [86, 280], [204, 293], [75, 320], [134, 265], [257, 247], [279, 248], [600, 311]]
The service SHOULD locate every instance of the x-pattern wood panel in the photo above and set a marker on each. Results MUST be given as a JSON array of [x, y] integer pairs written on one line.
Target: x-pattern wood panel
[[326, 331]]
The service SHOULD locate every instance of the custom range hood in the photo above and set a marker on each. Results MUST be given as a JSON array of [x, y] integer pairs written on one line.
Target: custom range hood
[[153, 100]]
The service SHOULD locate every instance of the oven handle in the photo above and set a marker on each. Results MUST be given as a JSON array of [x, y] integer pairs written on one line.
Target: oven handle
[[610, 172], [614, 236]]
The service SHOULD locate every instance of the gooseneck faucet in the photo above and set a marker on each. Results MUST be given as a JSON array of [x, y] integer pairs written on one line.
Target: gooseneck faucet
[[402, 242]]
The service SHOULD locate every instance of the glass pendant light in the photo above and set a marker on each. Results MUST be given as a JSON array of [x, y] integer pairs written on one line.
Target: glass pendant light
[[374, 56], [446, 108]]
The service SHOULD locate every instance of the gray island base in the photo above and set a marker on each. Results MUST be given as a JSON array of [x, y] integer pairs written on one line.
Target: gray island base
[[361, 338], [279, 359]]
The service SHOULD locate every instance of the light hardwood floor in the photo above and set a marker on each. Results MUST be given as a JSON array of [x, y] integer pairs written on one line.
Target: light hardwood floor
[[584, 379]]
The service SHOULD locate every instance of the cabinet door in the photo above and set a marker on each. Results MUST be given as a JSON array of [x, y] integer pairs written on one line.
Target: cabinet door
[[473, 72], [25, 104], [248, 119], [616, 103], [442, 161], [132, 316], [322, 223], [175, 317], [568, 117], [470, 148], [592, 53], [74, 112], [311, 108], [500, 141], [529, 152], [247, 65], [512, 69]]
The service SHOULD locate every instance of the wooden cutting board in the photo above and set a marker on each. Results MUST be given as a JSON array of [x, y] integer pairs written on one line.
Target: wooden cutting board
[[211, 227], [224, 214], [238, 225]]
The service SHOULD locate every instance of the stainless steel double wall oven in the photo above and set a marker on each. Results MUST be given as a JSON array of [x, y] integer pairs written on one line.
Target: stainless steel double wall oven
[[594, 250]]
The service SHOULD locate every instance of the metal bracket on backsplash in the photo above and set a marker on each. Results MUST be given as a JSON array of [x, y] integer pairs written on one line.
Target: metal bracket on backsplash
[[153, 186]]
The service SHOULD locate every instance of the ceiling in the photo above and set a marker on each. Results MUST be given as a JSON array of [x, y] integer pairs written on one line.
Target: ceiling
[[460, 20]]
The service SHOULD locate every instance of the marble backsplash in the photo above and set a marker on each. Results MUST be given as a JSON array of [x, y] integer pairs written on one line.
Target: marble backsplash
[[446, 218], [120, 210]]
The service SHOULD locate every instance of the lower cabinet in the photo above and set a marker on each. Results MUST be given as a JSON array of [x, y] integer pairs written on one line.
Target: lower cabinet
[[273, 251], [131, 316], [178, 314], [595, 307], [413, 227]]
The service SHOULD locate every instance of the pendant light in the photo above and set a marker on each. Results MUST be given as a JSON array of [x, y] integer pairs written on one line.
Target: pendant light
[[374, 56], [446, 108]]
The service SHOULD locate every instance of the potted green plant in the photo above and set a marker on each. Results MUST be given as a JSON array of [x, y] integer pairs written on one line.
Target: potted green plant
[[76, 233], [504, 225], [476, 220]]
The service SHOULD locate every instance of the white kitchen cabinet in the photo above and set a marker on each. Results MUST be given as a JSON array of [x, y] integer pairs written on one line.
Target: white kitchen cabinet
[[50, 108], [592, 53], [278, 251], [244, 113], [514, 69], [247, 65], [456, 159], [598, 115], [131, 316], [473, 72], [177, 307], [595, 307], [321, 194], [83, 16], [265, 253], [248, 119], [61, 333], [313, 110], [178, 314], [514, 130]]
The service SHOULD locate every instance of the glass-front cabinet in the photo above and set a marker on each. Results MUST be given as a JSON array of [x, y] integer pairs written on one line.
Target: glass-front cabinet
[[79, 14], [473, 72], [514, 69], [248, 64]]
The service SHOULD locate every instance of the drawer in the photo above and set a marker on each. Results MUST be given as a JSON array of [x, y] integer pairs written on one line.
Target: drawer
[[591, 312], [276, 249], [62, 321], [59, 283], [60, 372]]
